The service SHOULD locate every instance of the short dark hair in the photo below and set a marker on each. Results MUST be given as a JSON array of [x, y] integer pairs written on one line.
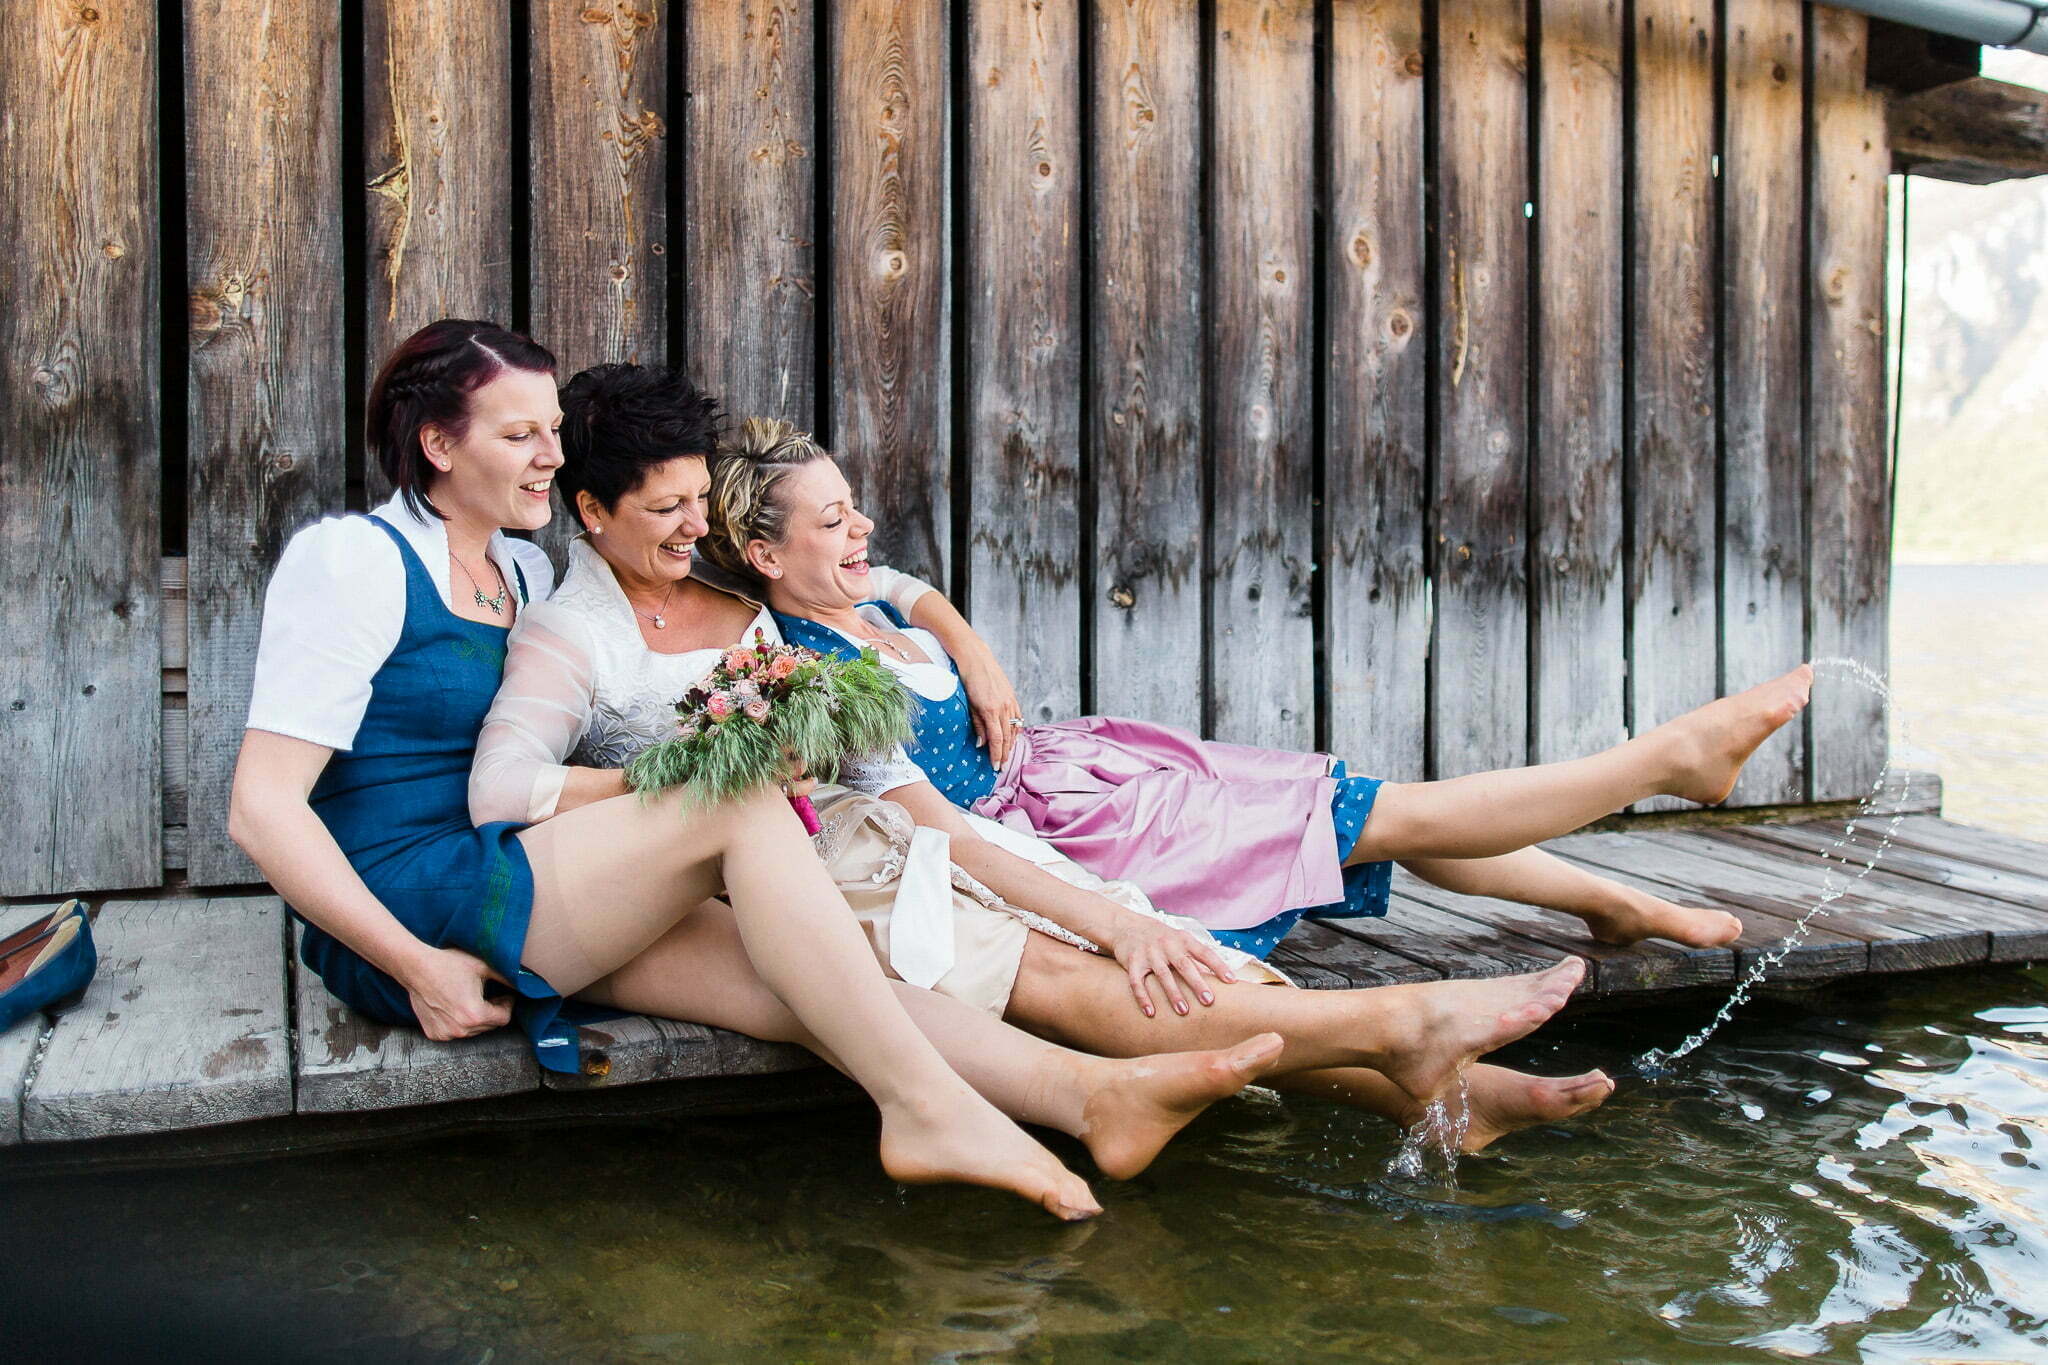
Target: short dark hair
[[427, 382], [620, 421]]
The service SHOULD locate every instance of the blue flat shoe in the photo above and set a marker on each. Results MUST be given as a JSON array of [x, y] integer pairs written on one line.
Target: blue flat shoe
[[46, 963]]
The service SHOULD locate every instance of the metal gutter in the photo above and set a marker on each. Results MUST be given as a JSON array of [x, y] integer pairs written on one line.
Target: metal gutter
[[1995, 23]]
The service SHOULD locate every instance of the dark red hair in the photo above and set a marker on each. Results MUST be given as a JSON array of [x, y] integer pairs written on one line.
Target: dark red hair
[[427, 382]]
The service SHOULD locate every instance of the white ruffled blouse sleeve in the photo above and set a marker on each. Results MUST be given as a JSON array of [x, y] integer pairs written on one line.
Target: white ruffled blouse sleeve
[[899, 590], [333, 613], [542, 709]]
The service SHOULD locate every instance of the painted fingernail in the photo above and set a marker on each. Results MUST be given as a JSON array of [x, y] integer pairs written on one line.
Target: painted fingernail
[[1208, 999]]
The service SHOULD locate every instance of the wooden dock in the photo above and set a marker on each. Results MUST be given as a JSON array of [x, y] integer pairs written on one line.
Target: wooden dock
[[202, 1037]]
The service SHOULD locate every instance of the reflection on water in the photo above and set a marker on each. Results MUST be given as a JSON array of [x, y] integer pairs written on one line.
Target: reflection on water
[[1856, 1174]]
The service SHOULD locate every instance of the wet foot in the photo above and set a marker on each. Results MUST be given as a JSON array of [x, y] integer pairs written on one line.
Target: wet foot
[[1504, 1101], [1444, 1025], [971, 1143], [1143, 1102], [1637, 917], [1710, 744]]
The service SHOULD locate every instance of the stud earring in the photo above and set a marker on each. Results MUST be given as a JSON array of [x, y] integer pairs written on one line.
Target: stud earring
[[595, 529]]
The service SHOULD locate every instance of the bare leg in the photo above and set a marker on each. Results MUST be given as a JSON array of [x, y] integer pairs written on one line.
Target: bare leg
[[1502, 1101], [1613, 912], [1417, 1036], [612, 877], [1123, 1110], [1697, 756]]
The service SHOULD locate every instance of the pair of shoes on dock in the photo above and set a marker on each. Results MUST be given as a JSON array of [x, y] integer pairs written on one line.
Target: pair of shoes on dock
[[46, 963]]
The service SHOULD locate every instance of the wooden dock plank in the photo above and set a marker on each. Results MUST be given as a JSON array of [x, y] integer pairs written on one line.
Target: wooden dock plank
[[1766, 911], [1647, 966], [18, 1044], [1452, 945], [1968, 844], [638, 1048], [1376, 398], [1314, 944], [184, 1025], [349, 1062], [2018, 888]]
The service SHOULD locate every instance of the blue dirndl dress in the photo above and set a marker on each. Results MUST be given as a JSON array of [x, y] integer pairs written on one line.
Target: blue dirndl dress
[[943, 745], [397, 802]]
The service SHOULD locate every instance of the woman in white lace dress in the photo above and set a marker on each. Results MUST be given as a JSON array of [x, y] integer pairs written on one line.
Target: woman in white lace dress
[[591, 678]]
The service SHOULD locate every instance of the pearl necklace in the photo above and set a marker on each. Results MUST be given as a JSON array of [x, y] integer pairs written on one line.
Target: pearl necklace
[[659, 618]]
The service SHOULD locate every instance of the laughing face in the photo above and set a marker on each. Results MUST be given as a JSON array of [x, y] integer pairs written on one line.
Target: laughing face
[[499, 469], [649, 538], [824, 562]]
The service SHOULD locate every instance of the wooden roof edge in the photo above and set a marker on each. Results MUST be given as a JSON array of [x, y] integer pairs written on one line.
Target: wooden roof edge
[[1976, 131]]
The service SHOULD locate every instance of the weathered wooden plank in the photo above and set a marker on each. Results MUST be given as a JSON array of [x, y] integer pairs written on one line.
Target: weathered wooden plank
[[1261, 410], [1313, 949], [750, 326], [1146, 363], [598, 255], [1968, 844], [1023, 322], [1766, 910], [264, 416], [18, 1044], [1480, 675], [79, 422], [175, 637], [184, 1025], [1763, 578], [2019, 888], [1451, 944], [1935, 912], [1579, 660], [1648, 966], [891, 389], [1974, 130], [1376, 395], [639, 1048], [1849, 591], [347, 1061], [1673, 641], [437, 146]]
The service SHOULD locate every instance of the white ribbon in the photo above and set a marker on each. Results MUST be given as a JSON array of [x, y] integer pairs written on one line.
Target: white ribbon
[[1029, 847], [921, 924]]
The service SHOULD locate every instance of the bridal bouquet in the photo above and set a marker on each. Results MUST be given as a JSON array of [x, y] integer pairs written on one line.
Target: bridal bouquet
[[768, 708]]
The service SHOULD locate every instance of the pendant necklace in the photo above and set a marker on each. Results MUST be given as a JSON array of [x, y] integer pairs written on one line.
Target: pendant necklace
[[496, 604], [658, 618]]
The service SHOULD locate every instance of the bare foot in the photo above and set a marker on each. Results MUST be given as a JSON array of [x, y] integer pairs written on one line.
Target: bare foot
[[1441, 1026], [1711, 743], [1143, 1102], [1637, 916], [1504, 1101], [932, 1142]]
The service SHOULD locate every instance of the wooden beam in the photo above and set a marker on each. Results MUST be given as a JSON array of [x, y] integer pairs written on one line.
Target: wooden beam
[[1977, 132]]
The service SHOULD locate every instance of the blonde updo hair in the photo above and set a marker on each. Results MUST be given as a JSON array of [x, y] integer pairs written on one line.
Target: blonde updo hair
[[747, 472]]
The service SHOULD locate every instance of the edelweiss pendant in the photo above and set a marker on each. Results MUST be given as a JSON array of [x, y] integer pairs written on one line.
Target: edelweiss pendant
[[496, 604]]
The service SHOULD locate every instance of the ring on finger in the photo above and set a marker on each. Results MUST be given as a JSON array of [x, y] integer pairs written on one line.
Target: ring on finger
[[1016, 722]]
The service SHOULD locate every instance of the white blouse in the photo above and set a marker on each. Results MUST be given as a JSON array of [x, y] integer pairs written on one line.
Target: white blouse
[[583, 689], [336, 608], [933, 680]]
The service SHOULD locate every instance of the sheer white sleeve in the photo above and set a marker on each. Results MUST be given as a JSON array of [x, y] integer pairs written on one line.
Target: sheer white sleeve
[[541, 711], [878, 774], [899, 590]]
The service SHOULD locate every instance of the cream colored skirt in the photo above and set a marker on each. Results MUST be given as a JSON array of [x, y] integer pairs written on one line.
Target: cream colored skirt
[[932, 924]]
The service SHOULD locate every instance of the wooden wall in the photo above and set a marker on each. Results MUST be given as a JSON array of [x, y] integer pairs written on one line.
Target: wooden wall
[[1448, 383]]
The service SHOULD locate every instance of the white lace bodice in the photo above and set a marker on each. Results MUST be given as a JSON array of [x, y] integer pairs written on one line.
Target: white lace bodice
[[582, 688]]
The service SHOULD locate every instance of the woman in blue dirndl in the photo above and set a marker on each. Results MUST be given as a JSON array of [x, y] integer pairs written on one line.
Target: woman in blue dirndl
[[384, 639]]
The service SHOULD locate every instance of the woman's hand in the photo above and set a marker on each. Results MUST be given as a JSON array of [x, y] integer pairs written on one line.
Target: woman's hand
[[1148, 947], [796, 778], [992, 700], [447, 990]]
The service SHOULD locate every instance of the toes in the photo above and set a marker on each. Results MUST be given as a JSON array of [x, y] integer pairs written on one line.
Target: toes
[[1253, 1056]]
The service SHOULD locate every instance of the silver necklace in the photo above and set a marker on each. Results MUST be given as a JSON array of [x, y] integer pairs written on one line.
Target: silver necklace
[[496, 604], [660, 621]]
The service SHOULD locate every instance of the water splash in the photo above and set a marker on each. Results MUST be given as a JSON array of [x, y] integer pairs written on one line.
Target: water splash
[[1657, 1062], [1436, 1140]]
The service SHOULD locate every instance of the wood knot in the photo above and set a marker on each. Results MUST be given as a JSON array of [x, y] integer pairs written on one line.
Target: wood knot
[[113, 251], [894, 265], [1119, 596], [285, 462], [1361, 250], [1779, 73], [1280, 277], [1413, 64], [619, 272], [89, 690], [88, 15], [597, 1065], [1400, 324], [1464, 552]]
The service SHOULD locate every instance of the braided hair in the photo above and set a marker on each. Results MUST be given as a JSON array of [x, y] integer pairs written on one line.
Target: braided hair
[[427, 382], [751, 464]]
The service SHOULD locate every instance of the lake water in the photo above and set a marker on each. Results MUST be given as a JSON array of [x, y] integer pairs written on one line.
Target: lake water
[[1854, 1174]]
